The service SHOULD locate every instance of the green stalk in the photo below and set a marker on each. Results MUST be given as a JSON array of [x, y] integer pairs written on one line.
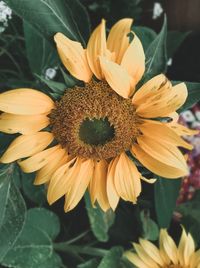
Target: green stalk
[[65, 247]]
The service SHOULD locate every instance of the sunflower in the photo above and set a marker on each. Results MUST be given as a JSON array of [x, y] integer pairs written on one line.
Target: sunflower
[[168, 255], [80, 142]]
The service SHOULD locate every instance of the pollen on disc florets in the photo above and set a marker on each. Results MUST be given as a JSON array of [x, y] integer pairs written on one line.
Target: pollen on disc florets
[[99, 105]]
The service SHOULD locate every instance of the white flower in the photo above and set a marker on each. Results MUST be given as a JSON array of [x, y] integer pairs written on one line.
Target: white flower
[[169, 62], [196, 125], [50, 73], [5, 15], [188, 116], [157, 10]]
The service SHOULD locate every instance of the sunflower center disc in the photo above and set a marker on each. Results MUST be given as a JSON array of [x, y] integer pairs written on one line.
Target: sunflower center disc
[[94, 121], [96, 131]]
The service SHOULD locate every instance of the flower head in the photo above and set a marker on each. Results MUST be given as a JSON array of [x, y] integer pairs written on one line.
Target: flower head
[[91, 128], [168, 255]]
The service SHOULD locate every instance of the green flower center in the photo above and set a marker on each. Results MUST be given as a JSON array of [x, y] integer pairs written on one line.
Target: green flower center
[[96, 131]]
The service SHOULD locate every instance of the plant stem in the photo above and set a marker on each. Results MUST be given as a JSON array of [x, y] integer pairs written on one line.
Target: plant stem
[[65, 247]]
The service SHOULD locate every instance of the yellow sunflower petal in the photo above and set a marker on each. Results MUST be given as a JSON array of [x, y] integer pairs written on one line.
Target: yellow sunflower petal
[[134, 59], [24, 124], [155, 85], [117, 77], [25, 101], [73, 56], [127, 179], [174, 116], [38, 160], [58, 185], [97, 47], [166, 104], [152, 251], [26, 145], [98, 185], [181, 247], [169, 246], [118, 41], [157, 166], [188, 250], [145, 256], [182, 130], [165, 153], [195, 259], [46, 172], [79, 184], [161, 132], [133, 258], [113, 196]]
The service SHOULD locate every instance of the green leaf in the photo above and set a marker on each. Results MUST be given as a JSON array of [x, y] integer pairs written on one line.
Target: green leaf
[[34, 193], [156, 54], [150, 228], [49, 16], [89, 264], [12, 209], [100, 221], [31, 249], [69, 80], [191, 208], [45, 220], [191, 215], [56, 87], [83, 20], [112, 258], [125, 263], [193, 95], [54, 261], [174, 40], [145, 34], [166, 192], [41, 55]]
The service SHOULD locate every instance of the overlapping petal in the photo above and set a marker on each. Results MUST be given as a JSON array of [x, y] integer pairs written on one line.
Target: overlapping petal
[[26, 145], [167, 255], [134, 60], [73, 56], [117, 77], [97, 47], [39, 160], [156, 166], [45, 173], [59, 183], [163, 104], [161, 132], [118, 40]]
